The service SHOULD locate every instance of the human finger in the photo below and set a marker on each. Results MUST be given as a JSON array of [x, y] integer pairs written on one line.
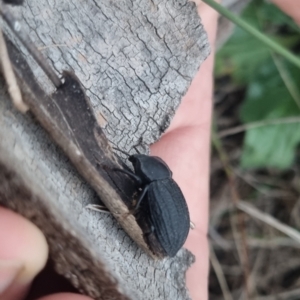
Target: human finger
[[185, 147], [23, 254], [291, 7], [65, 296]]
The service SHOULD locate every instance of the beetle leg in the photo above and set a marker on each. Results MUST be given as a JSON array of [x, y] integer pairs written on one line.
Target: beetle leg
[[145, 190], [99, 208], [127, 154], [192, 225], [152, 229], [136, 178]]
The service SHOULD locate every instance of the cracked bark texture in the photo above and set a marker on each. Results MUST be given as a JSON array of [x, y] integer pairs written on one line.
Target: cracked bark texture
[[136, 59]]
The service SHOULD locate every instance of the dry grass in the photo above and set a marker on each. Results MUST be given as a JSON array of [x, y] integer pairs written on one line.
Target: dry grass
[[255, 244]]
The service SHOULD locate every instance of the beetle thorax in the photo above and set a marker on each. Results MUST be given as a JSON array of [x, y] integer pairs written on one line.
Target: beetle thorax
[[150, 168]]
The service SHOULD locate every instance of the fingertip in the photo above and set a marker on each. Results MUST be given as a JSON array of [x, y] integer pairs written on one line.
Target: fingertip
[[65, 296], [23, 245]]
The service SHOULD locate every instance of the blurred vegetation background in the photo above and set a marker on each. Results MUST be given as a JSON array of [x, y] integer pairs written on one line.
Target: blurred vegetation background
[[255, 174]]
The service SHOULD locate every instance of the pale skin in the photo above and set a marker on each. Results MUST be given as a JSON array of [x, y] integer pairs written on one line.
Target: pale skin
[[185, 147]]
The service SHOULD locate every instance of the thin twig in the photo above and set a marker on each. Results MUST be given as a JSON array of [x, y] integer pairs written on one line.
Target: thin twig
[[293, 294], [257, 243], [275, 192], [218, 241], [242, 128], [16, 27], [10, 77], [254, 277], [287, 79], [240, 219], [220, 275], [268, 219]]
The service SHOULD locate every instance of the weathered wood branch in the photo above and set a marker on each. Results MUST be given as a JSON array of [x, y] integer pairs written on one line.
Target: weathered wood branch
[[135, 60]]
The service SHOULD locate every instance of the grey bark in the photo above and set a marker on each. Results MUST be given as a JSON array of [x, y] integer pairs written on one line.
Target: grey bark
[[136, 61], [134, 58]]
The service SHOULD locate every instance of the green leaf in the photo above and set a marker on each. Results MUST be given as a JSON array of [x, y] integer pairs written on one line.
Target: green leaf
[[241, 57], [270, 146], [272, 16], [268, 98], [243, 54], [272, 91]]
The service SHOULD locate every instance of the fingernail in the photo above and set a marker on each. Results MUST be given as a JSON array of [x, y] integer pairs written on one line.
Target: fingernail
[[9, 271]]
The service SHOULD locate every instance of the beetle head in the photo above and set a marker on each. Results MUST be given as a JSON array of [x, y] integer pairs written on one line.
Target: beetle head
[[149, 168]]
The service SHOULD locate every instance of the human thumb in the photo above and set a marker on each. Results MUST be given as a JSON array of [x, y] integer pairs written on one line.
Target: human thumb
[[23, 254]]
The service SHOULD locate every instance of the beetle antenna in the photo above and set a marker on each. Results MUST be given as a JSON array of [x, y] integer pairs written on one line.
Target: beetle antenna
[[115, 148], [136, 149]]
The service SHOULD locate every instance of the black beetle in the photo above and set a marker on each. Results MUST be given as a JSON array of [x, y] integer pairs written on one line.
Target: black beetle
[[168, 211]]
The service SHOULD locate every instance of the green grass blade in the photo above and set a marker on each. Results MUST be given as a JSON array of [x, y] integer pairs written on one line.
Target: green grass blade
[[253, 31]]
